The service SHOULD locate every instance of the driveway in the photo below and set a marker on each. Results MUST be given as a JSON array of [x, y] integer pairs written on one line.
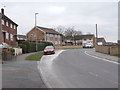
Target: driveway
[[76, 69], [19, 73]]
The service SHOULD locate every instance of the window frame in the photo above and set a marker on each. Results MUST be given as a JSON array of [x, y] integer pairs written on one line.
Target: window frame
[[3, 22]]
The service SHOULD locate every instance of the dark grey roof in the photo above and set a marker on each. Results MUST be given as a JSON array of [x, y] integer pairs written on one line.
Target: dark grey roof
[[87, 36], [22, 36], [48, 30], [6, 18], [100, 39]]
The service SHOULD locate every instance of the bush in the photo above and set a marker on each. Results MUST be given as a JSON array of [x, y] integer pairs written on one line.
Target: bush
[[11, 50], [28, 47], [24, 48], [32, 47]]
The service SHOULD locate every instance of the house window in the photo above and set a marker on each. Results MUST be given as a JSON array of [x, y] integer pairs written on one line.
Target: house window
[[7, 35], [7, 23], [31, 35], [11, 37], [58, 36], [48, 35], [35, 35], [11, 25], [56, 42], [14, 26], [2, 22], [51, 35]]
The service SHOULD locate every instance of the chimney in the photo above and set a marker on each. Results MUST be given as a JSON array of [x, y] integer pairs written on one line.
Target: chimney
[[2, 11]]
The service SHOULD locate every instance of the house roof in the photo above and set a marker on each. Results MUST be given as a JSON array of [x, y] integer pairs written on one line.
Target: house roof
[[22, 36], [100, 39], [87, 36], [6, 18], [48, 30]]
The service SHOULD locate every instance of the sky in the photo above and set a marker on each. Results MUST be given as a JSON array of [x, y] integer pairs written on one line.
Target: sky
[[82, 15]]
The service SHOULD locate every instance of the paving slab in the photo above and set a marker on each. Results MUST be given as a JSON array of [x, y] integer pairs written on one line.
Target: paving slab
[[102, 55], [19, 73]]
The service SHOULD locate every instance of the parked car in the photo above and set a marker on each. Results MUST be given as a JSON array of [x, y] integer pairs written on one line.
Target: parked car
[[49, 50], [88, 45]]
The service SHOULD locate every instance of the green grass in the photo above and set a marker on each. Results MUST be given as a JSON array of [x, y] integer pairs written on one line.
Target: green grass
[[117, 56], [35, 57]]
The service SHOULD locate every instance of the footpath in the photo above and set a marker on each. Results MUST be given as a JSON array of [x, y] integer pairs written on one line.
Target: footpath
[[103, 56], [19, 73]]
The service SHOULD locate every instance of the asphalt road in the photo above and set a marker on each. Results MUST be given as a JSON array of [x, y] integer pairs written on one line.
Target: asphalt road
[[75, 69]]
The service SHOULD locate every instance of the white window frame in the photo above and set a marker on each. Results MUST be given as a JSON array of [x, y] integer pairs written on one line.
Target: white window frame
[[7, 23], [14, 26], [7, 35], [55, 36], [11, 37], [10, 25], [58, 36], [3, 22]]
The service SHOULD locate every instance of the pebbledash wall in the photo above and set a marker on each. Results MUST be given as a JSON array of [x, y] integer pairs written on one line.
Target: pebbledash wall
[[111, 50]]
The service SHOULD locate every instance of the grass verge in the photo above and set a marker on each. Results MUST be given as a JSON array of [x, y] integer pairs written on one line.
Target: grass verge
[[34, 57]]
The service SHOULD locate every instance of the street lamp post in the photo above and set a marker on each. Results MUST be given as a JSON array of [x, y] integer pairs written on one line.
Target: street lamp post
[[96, 34], [36, 30]]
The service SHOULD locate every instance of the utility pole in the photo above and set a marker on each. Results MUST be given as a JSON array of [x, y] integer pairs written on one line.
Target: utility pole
[[36, 30], [96, 34]]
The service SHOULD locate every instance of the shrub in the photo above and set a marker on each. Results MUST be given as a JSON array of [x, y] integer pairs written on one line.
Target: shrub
[[24, 48], [11, 50], [31, 46]]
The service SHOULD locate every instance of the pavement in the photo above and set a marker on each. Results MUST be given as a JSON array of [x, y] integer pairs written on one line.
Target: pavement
[[19, 73], [77, 69], [102, 55]]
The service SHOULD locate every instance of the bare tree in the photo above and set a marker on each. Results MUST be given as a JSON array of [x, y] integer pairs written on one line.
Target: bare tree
[[68, 33], [71, 32], [60, 29]]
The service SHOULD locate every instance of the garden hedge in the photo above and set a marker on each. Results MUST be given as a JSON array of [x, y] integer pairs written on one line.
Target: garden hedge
[[28, 47]]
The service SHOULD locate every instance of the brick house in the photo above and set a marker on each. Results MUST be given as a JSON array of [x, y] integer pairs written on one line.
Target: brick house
[[21, 37], [44, 34], [101, 41], [8, 30], [88, 38], [81, 39]]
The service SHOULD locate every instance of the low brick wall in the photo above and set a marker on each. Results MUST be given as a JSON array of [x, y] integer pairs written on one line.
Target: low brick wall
[[68, 47], [103, 49], [112, 50]]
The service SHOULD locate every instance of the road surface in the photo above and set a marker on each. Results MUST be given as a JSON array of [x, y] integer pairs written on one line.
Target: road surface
[[76, 69]]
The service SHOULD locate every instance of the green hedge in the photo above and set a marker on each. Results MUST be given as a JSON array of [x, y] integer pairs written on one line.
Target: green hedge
[[28, 47]]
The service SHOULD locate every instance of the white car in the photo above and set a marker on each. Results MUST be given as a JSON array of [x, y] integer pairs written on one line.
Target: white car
[[88, 45]]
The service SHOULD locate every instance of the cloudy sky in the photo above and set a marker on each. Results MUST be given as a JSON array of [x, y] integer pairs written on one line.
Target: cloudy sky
[[82, 15]]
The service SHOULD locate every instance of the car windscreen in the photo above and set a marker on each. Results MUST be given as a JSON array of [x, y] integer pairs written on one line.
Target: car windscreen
[[49, 47], [88, 44]]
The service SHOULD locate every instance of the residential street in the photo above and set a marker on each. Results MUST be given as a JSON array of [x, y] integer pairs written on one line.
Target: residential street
[[19, 73], [76, 69]]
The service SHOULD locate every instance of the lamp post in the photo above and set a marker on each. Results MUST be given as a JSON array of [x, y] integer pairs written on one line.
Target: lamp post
[[35, 28]]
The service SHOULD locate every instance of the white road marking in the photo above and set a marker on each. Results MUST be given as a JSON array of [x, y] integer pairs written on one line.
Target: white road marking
[[93, 74], [101, 58]]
